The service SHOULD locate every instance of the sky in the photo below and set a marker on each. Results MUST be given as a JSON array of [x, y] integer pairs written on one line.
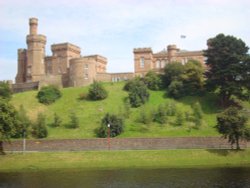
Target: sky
[[113, 28]]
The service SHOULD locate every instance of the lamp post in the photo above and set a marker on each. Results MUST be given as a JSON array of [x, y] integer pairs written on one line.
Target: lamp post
[[24, 140], [108, 136]]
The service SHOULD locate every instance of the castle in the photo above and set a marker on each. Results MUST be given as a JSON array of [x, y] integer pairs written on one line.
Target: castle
[[67, 68]]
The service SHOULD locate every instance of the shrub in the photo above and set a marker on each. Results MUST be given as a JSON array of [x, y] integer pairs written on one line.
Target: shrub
[[175, 89], [138, 94], [116, 126], [97, 92], [22, 125], [48, 94], [179, 119], [171, 109], [57, 121], [160, 115], [74, 121], [153, 81], [144, 117], [5, 90], [39, 129], [198, 114]]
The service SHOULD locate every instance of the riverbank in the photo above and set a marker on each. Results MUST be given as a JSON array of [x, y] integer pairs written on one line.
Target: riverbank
[[154, 159]]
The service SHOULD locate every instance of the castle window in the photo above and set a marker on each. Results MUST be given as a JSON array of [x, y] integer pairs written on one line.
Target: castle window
[[86, 76], [158, 64], [142, 62], [86, 66], [163, 63]]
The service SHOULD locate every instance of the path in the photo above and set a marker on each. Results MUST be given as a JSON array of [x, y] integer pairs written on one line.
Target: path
[[122, 144]]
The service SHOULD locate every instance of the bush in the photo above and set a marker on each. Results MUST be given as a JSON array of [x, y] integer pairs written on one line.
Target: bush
[[138, 94], [5, 90], [175, 89], [39, 129], [198, 114], [74, 121], [179, 119], [153, 81], [48, 94], [57, 121], [171, 109], [160, 115], [144, 117], [22, 125], [116, 126], [97, 92]]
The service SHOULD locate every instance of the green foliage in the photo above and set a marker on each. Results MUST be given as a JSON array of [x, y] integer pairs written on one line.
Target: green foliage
[[5, 90], [57, 121], [48, 94], [39, 129], [179, 118], [138, 93], [232, 125], [23, 123], [153, 81], [160, 116], [182, 80], [171, 108], [97, 92], [172, 71], [116, 126], [74, 121], [229, 66], [198, 114], [130, 84], [144, 116], [8, 121]]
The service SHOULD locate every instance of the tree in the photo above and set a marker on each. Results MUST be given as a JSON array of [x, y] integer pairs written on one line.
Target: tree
[[153, 80], [175, 89], [5, 90], [160, 116], [74, 121], [97, 92], [116, 126], [198, 114], [48, 94], [172, 71], [57, 121], [179, 118], [138, 93], [39, 129], [23, 123], [229, 67], [8, 121], [232, 124]]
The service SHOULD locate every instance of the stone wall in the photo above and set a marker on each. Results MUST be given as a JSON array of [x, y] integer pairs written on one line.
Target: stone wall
[[123, 144], [21, 87]]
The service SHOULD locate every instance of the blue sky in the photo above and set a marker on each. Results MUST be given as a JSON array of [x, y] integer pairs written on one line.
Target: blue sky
[[112, 28]]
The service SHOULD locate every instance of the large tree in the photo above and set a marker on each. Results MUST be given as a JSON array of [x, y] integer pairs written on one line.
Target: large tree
[[228, 67], [232, 125], [8, 121]]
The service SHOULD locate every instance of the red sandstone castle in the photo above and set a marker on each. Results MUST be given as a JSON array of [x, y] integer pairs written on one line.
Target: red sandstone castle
[[67, 68]]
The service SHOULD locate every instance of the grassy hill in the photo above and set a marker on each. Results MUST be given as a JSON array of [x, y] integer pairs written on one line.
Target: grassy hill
[[90, 113]]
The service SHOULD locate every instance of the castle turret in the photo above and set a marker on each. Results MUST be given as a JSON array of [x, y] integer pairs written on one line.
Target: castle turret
[[35, 53], [21, 66], [143, 58], [172, 50]]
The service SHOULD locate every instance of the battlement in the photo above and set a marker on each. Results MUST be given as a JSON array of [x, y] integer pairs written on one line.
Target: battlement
[[65, 47], [140, 50], [36, 38]]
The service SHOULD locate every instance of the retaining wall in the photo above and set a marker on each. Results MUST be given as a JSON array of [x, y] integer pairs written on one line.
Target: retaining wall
[[123, 144]]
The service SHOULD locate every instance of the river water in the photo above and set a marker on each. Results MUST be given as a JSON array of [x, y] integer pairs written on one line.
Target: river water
[[146, 178]]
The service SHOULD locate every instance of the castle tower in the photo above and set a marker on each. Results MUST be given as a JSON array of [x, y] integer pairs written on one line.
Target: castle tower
[[172, 50], [35, 67], [21, 66], [143, 58]]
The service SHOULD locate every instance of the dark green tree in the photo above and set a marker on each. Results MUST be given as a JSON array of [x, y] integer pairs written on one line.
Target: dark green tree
[[39, 129], [198, 114], [160, 116], [23, 123], [57, 121], [48, 94], [74, 121], [172, 71], [153, 81], [116, 126], [97, 91], [232, 125], [229, 67], [5, 90], [8, 122], [176, 89]]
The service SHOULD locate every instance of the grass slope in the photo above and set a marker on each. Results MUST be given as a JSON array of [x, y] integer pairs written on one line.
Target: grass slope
[[124, 159], [90, 113]]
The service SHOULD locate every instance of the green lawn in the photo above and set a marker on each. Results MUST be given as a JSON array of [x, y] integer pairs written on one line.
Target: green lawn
[[124, 159], [90, 113]]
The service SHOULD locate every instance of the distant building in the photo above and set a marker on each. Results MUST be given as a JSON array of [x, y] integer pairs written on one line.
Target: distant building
[[67, 68], [145, 59]]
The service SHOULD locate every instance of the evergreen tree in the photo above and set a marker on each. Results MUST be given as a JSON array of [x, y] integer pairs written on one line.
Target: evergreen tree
[[229, 67], [39, 129], [57, 121], [97, 92]]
